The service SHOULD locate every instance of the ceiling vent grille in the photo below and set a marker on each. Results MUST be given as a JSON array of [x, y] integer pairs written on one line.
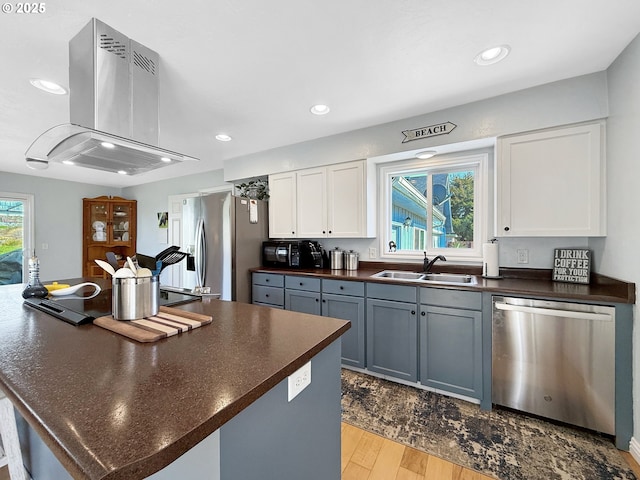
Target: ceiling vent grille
[[144, 62]]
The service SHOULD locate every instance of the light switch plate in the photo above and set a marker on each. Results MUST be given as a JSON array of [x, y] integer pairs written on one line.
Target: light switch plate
[[299, 380]]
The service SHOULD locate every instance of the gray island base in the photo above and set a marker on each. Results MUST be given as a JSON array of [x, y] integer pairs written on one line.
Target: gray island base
[[272, 439]]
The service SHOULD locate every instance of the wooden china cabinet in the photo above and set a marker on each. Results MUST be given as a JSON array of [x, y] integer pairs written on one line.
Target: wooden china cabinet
[[108, 225]]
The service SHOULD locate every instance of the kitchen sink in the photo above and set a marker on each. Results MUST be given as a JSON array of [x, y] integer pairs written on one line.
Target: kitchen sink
[[438, 278], [449, 278], [399, 275]]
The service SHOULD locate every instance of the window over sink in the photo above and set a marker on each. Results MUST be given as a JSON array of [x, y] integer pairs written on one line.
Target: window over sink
[[438, 205]]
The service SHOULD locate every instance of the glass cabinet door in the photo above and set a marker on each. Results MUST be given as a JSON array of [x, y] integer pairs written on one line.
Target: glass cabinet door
[[120, 221], [99, 221]]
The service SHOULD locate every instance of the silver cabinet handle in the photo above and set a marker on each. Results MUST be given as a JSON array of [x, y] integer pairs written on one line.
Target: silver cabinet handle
[[553, 312]]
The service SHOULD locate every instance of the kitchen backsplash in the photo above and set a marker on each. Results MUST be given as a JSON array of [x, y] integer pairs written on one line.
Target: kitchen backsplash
[[539, 250]]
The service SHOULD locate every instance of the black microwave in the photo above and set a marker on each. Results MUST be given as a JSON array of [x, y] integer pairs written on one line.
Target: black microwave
[[292, 254], [279, 253]]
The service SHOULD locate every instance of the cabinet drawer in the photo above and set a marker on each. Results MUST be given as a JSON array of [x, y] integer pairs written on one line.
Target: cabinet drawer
[[302, 283], [269, 305], [398, 293], [451, 298], [341, 287], [270, 295], [269, 279]]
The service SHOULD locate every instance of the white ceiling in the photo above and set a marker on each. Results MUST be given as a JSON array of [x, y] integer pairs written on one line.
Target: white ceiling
[[252, 68]]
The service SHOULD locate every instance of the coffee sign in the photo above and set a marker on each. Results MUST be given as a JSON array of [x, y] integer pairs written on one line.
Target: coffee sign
[[571, 265]]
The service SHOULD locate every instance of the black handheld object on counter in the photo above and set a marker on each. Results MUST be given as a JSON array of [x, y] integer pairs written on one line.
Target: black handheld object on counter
[[157, 264], [59, 311]]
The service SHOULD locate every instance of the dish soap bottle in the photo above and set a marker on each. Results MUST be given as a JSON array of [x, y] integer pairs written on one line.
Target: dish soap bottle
[[35, 288]]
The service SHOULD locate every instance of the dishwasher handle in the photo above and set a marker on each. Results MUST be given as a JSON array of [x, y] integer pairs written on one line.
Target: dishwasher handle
[[553, 312]]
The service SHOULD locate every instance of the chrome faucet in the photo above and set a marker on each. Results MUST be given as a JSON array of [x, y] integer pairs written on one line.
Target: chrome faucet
[[426, 264]]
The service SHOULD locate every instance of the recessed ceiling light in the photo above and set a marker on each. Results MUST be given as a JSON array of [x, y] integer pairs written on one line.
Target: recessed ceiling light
[[492, 55], [165, 159], [223, 137], [68, 162], [47, 86], [320, 109], [122, 172], [426, 154], [108, 145]]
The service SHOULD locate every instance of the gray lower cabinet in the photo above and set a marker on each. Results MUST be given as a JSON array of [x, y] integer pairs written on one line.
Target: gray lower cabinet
[[302, 301], [426, 334], [392, 331], [267, 289], [451, 341], [302, 294], [345, 300]]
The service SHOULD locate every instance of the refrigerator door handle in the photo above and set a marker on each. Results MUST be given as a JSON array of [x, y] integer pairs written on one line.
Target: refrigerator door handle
[[201, 253]]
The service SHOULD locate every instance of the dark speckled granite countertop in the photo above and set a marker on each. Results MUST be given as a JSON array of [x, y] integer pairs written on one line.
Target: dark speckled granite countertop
[[521, 282], [111, 408]]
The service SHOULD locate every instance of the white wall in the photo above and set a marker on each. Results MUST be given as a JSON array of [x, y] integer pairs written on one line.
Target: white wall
[[568, 101], [616, 255], [58, 220]]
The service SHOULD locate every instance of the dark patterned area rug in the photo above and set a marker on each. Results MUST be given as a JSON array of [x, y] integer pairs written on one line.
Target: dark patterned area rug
[[501, 443]]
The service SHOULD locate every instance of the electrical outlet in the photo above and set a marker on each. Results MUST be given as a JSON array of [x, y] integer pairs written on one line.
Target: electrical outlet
[[299, 380], [523, 255], [373, 253]]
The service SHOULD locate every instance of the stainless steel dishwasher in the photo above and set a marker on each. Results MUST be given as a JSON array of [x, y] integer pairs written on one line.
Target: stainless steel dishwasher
[[555, 360]]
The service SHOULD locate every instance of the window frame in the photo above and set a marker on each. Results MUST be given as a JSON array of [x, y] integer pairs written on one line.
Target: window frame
[[474, 160], [28, 226]]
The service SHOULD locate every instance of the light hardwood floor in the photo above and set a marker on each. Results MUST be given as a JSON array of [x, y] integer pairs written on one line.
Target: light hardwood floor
[[366, 456]]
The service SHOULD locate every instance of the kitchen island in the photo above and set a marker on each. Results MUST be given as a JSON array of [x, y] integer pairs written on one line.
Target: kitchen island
[[209, 403]]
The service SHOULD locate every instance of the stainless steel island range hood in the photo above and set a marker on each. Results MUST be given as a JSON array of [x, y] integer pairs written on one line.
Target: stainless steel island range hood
[[114, 104]]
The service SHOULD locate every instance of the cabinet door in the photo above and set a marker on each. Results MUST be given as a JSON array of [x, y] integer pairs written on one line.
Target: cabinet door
[[121, 223], [312, 203], [451, 350], [302, 301], [392, 338], [98, 222], [551, 183], [348, 308], [282, 205], [346, 203]]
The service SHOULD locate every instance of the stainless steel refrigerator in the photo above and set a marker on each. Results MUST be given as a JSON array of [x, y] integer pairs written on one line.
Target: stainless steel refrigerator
[[224, 233]]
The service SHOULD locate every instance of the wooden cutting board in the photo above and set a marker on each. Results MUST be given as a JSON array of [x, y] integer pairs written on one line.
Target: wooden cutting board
[[169, 321]]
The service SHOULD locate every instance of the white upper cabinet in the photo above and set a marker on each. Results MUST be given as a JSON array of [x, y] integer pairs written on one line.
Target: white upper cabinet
[[551, 183], [282, 205], [312, 202], [330, 201], [346, 200]]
